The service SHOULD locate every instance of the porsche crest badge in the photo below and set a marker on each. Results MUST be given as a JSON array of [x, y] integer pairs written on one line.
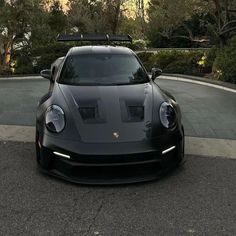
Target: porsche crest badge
[[116, 135]]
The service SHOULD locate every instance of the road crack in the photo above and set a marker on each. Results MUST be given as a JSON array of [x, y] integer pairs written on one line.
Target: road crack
[[98, 211]]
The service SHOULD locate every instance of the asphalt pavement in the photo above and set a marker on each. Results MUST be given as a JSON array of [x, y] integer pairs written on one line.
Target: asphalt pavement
[[197, 199]]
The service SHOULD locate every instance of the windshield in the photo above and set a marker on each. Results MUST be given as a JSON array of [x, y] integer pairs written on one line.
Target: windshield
[[102, 69]]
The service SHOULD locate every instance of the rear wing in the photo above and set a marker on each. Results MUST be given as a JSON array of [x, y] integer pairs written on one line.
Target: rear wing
[[97, 38]]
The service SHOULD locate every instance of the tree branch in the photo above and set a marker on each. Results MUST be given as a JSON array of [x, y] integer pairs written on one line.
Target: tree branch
[[227, 24], [188, 30], [227, 31]]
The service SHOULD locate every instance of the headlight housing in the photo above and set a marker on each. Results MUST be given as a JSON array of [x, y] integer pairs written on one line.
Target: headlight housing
[[55, 119], [167, 115]]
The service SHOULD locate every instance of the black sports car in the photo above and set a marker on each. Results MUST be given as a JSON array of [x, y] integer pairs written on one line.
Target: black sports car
[[105, 120]]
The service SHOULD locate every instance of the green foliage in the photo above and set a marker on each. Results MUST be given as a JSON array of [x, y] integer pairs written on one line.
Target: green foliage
[[224, 66], [139, 44], [148, 59], [57, 19], [104, 16], [15, 22], [40, 58], [5, 71], [28, 32], [169, 28], [210, 57], [200, 22], [25, 69], [174, 61]]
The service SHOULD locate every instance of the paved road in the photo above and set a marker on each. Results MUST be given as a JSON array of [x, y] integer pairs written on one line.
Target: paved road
[[207, 112], [197, 199], [18, 100]]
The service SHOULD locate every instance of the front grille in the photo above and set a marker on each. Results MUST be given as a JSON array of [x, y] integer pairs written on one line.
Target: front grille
[[115, 159], [108, 173]]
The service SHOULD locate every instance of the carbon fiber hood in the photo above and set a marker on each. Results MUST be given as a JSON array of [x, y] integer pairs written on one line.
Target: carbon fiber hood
[[109, 114]]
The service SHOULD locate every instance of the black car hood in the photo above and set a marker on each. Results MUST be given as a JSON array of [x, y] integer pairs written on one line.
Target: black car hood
[[108, 114]]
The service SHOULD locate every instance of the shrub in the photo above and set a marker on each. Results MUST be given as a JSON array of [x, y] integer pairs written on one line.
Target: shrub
[[210, 58], [25, 69], [45, 61], [23, 65], [39, 58], [183, 66], [174, 61], [148, 59], [5, 71], [224, 66], [164, 58], [138, 44]]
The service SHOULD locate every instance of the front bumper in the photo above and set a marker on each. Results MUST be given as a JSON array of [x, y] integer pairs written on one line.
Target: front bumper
[[109, 167]]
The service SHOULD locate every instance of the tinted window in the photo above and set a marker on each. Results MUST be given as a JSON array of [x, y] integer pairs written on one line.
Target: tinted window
[[102, 69]]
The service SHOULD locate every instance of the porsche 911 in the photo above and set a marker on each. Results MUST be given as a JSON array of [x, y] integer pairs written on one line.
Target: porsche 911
[[104, 119]]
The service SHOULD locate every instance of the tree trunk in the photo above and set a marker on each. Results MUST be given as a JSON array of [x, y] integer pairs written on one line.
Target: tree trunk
[[7, 53], [116, 17]]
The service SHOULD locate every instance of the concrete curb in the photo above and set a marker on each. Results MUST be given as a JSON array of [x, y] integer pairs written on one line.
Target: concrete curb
[[222, 148], [194, 81], [15, 78], [202, 79]]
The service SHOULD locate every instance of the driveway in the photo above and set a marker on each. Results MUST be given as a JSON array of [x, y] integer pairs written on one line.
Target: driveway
[[199, 198]]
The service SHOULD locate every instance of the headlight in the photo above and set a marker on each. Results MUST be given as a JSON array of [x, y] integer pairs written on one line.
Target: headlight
[[167, 115], [55, 119]]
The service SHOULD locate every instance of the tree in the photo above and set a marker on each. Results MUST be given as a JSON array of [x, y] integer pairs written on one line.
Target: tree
[[223, 23], [57, 19], [15, 17], [40, 47], [113, 13], [96, 16], [85, 16], [168, 18], [224, 66], [174, 19]]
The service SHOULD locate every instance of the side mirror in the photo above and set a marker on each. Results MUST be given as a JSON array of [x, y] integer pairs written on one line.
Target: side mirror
[[156, 72], [47, 74]]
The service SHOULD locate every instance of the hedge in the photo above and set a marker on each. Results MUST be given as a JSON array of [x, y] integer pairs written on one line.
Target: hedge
[[224, 67], [177, 61], [217, 62]]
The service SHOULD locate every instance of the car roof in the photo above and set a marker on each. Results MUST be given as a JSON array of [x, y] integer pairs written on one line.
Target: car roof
[[100, 50]]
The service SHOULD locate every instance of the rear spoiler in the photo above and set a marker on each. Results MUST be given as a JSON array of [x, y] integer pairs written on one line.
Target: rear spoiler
[[98, 38]]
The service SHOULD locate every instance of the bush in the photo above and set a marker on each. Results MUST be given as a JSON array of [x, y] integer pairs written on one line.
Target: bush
[[25, 69], [224, 66], [174, 61], [164, 58], [5, 71], [209, 60], [138, 44], [23, 64], [45, 61], [183, 66], [38, 58], [148, 59]]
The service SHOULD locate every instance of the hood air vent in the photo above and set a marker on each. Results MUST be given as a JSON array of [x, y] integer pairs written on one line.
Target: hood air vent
[[88, 113], [136, 113]]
